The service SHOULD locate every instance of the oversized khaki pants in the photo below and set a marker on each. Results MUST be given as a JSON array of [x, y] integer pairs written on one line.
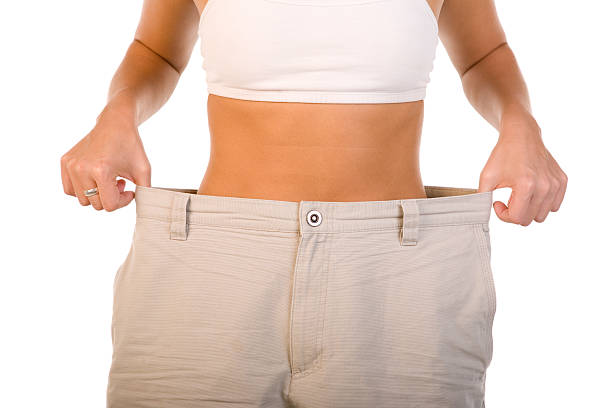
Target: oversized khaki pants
[[242, 302]]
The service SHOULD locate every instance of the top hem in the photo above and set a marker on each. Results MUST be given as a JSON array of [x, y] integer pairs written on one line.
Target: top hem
[[319, 96]]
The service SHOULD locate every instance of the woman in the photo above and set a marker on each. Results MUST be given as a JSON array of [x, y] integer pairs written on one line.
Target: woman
[[312, 268]]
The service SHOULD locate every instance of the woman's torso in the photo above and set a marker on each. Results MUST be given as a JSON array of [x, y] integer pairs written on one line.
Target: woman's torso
[[295, 151]]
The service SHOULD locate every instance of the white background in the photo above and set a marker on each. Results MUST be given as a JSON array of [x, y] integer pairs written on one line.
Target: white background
[[552, 328]]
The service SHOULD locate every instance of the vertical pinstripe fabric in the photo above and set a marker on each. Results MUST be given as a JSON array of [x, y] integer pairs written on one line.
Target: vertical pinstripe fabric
[[228, 301]]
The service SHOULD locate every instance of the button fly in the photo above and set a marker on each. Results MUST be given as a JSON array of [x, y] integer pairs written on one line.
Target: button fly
[[314, 218]]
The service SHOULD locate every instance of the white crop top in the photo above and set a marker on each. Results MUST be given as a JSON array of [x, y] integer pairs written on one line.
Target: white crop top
[[318, 51]]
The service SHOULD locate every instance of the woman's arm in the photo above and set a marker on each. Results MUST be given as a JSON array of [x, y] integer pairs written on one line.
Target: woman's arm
[[142, 84], [492, 81], [154, 61]]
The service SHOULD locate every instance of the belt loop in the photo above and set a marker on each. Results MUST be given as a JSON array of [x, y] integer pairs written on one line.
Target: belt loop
[[410, 222], [178, 225]]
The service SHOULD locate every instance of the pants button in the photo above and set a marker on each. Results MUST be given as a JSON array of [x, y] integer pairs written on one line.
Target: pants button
[[313, 218]]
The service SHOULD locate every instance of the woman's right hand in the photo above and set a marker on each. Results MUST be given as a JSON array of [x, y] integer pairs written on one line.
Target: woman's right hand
[[112, 149]]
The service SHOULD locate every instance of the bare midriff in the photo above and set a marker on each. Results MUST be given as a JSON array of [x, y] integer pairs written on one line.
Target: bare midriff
[[313, 152]]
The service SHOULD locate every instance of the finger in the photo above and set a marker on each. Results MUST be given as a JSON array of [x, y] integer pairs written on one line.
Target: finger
[[130, 194], [544, 209], [121, 185], [66, 182], [560, 194], [112, 194], [107, 186], [501, 210], [548, 201], [540, 203], [94, 200], [517, 210], [78, 187], [79, 191], [125, 197]]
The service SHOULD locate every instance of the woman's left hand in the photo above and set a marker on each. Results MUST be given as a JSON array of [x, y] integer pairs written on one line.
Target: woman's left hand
[[521, 161]]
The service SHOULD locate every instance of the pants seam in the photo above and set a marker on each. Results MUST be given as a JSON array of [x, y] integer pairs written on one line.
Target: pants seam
[[292, 309], [323, 302], [484, 272]]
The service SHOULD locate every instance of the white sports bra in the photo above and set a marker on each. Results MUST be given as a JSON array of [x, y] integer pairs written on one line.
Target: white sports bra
[[318, 51]]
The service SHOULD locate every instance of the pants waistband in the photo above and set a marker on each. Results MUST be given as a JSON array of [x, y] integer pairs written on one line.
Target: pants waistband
[[443, 206]]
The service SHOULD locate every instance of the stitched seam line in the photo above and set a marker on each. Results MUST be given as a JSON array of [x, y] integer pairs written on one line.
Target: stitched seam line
[[323, 4], [292, 311], [239, 91], [323, 302], [219, 226], [485, 275], [315, 365]]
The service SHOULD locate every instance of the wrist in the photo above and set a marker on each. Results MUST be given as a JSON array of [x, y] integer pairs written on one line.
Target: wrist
[[120, 108], [517, 121]]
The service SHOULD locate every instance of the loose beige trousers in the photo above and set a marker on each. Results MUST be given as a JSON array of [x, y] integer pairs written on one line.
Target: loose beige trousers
[[242, 302]]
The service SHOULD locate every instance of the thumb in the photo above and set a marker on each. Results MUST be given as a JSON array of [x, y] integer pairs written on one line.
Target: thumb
[[141, 174], [487, 182]]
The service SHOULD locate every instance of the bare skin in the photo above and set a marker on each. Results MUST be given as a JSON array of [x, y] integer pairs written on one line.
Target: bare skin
[[327, 152]]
